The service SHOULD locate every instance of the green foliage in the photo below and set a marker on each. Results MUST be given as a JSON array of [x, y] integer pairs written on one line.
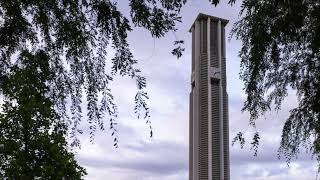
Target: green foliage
[[76, 35], [216, 2], [239, 137], [178, 50], [69, 42], [32, 134], [62, 48], [281, 50], [255, 143]]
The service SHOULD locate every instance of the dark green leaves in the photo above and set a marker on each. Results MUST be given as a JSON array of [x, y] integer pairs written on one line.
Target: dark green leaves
[[173, 5], [33, 136], [239, 137], [76, 35], [280, 51], [216, 2], [178, 50], [158, 20], [255, 143]]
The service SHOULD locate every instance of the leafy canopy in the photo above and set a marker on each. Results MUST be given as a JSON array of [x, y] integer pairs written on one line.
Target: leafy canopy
[[281, 51], [281, 40], [54, 51], [76, 35], [32, 134]]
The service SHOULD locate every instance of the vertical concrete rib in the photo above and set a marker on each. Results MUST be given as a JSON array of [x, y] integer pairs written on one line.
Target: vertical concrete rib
[[203, 103], [190, 137], [220, 104], [209, 104], [196, 102], [225, 108], [191, 109]]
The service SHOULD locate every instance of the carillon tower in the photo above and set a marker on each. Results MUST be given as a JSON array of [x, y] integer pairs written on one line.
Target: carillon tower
[[209, 122]]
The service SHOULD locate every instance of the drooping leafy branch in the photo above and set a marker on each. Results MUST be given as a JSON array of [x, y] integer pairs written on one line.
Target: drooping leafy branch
[[281, 50], [281, 41], [33, 143], [77, 36]]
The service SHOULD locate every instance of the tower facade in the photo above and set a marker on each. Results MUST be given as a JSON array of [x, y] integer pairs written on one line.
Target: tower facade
[[209, 121]]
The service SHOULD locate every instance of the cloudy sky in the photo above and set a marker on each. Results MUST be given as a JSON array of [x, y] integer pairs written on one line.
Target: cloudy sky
[[165, 156]]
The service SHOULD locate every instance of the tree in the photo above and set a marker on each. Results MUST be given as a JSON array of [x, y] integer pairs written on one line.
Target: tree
[[75, 35], [32, 134], [281, 50], [61, 48]]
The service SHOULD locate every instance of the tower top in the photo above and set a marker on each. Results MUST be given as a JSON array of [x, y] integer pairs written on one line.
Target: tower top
[[206, 16]]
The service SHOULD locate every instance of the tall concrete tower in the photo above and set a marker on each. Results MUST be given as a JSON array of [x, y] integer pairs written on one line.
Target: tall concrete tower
[[209, 122]]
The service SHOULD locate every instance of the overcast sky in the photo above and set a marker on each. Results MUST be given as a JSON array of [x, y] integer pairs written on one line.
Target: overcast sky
[[165, 156]]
